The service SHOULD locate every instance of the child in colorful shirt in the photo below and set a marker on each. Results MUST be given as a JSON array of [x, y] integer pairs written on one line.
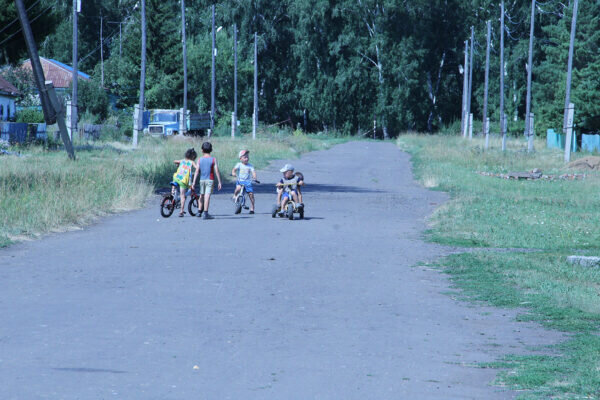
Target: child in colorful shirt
[[245, 173], [208, 169], [182, 175], [293, 182]]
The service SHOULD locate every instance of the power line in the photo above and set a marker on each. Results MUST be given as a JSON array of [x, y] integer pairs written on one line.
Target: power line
[[32, 20], [16, 19]]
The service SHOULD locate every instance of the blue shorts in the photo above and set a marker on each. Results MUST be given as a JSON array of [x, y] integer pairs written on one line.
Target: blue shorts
[[288, 195], [247, 185]]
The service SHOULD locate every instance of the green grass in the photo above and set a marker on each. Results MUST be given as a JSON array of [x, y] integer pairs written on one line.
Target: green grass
[[45, 192], [559, 218]]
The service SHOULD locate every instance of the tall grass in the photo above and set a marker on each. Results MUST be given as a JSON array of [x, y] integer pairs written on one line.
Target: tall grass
[[557, 217], [44, 191]]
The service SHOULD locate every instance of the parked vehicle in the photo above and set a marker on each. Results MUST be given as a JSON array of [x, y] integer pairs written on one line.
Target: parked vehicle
[[165, 122]]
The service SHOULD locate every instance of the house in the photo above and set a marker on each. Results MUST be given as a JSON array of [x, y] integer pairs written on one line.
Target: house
[[60, 74], [8, 94]]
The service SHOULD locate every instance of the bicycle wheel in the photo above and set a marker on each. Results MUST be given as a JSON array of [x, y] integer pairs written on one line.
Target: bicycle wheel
[[193, 206], [301, 212], [167, 206], [239, 201], [274, 211], [290, 211]]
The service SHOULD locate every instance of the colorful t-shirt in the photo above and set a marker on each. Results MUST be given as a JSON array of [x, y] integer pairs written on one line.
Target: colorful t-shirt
[[293, 182], [244, 171], [182, 175], [207, 168]]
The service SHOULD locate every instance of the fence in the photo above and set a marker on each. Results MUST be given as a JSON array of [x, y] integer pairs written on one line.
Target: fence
[[19, 133]]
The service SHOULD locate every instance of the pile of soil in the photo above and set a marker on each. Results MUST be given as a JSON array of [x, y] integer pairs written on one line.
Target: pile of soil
[[587, 163]]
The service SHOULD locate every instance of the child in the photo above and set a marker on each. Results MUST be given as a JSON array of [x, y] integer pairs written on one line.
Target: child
[[293, 182], [245, 174], [182, 175], [300, 184], [208, 169]]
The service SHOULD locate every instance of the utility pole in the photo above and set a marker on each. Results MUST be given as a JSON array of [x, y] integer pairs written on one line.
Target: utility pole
[[235, 114], [73, 121], [101, 52], [470, 82], [120, 37], [570, 67], [212, 82], [185, 106], [528, 129], [255, 114], [140, 124], [486, 130], [465, 89], [36, 66], [53, 110], [502, 118]]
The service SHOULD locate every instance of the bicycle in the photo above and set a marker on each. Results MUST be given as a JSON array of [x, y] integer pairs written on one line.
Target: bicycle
[[291, 206], [239, 201], [172, 200]]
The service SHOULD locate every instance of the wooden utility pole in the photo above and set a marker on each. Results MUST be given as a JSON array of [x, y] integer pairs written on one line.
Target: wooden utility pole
[[53, 110], [502, 118], [486, 130], [464, 119], [36, 66], [569, 133], [140, 124], [235, 114], [75, 75], [212, 81], [255, 114], [528, 130], [470, 82], [185, 106], [570, 66], [101, 52]]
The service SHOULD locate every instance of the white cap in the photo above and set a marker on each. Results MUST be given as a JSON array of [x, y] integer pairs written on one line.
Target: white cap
[[243, 153], [287, 167]]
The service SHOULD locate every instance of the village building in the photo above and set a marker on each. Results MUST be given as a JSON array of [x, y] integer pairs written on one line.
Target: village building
[[8, 95], [60, 74]]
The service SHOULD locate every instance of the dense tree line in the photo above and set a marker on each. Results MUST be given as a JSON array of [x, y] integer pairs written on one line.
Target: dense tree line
[[336, 64]]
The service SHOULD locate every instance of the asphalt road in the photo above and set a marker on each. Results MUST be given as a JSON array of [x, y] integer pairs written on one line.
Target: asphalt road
[[245, 307]]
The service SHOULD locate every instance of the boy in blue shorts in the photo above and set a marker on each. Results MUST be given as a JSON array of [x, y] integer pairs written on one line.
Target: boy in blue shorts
[[245, 174]]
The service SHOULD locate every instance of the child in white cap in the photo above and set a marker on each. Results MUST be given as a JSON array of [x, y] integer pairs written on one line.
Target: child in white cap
[[288, 186], [245, 174]]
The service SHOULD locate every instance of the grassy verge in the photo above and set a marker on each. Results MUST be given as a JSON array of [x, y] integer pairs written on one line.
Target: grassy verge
[[45, 192], [559, 218]]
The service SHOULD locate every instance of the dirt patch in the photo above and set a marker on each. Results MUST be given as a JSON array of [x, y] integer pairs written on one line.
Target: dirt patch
[[586, 163]]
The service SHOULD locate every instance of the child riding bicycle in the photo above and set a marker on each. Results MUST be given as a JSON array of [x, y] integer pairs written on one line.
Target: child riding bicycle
[[245, 173], [289, 186], [181, 177]]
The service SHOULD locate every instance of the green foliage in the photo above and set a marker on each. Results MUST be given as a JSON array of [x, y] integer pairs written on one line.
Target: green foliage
[[92, 99], [30, 116], [341, 65]]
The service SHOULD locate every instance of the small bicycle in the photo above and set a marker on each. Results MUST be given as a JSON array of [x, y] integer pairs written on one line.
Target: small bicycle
[[172, 200], [291, 206], [239, 202]]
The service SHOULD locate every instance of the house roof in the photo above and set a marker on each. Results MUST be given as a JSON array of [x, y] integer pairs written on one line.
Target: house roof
[[7, 88], [60, 74]]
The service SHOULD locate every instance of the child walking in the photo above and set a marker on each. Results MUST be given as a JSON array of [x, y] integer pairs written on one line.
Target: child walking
[[208, 169], [182, 175]]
